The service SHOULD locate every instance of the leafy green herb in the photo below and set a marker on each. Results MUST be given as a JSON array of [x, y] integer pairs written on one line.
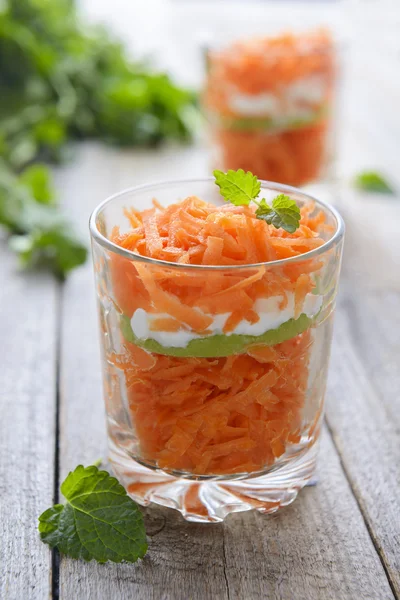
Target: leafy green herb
[[241, 188], [266, 123], [61, 81], [238, 187], [284, 213], [371, 181], [99, 521], [41, 236]]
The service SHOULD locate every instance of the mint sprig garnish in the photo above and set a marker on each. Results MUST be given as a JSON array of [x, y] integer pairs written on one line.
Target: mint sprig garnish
[[371, 181], [241, 188], [99, 520]]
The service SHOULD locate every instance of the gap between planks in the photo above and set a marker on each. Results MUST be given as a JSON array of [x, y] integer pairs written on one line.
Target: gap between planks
[[55, 554]]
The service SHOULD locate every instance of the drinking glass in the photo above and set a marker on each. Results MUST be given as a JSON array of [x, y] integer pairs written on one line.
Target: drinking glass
[[270, 105], [211, 424]]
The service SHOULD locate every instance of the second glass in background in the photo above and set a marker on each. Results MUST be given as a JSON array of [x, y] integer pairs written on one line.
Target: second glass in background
[[269, 102]]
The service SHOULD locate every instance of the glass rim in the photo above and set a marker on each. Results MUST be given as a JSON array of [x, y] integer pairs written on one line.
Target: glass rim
[[340, 41], [112, 247]]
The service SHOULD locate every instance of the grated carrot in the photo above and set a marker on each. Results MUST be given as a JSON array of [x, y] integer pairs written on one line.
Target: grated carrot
[[240, 412], [214, 415]]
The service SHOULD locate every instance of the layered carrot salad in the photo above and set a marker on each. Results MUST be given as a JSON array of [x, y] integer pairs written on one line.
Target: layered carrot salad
[[269, 103], [216, 360]]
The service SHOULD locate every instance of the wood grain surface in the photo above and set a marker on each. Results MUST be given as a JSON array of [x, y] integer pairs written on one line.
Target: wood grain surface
[[340, 540], [363, 408], [28, 335]]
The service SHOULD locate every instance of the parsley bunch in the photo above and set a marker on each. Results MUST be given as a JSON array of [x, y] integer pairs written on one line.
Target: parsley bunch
[[61, 81]]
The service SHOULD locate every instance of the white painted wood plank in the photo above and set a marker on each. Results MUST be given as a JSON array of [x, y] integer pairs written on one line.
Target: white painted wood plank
[[363, 409], [28, 329]]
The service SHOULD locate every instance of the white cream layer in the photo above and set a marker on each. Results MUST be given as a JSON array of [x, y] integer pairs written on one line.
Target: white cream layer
[[271, 317], [296, 100]]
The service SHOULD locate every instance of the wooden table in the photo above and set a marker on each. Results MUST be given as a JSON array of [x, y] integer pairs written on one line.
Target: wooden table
[[340, 540]]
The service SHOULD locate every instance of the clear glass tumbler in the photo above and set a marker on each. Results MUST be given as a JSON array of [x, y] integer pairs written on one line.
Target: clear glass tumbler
[[269, 103], [212, 424]]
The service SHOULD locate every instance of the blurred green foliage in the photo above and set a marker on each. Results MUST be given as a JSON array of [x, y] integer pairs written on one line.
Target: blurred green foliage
[[372, 181], [41, 235], [60, 81]]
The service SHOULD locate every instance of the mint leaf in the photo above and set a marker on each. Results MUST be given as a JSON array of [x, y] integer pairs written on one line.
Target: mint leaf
[[99, 521], [263, 209], [371, 181], [238, 187], [58, 529], [284, 213]]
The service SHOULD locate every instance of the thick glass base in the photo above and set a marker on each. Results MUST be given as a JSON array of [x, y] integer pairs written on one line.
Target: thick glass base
[[211, 501]]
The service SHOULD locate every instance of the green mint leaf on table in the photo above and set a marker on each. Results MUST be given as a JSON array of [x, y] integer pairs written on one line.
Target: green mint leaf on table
[[241, 188], [284, 213], [371, 181], [99, 520], [238, 187]]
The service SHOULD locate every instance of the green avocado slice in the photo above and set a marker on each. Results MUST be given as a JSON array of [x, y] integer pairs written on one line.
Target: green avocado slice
[[219, 345], [268, 123]]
